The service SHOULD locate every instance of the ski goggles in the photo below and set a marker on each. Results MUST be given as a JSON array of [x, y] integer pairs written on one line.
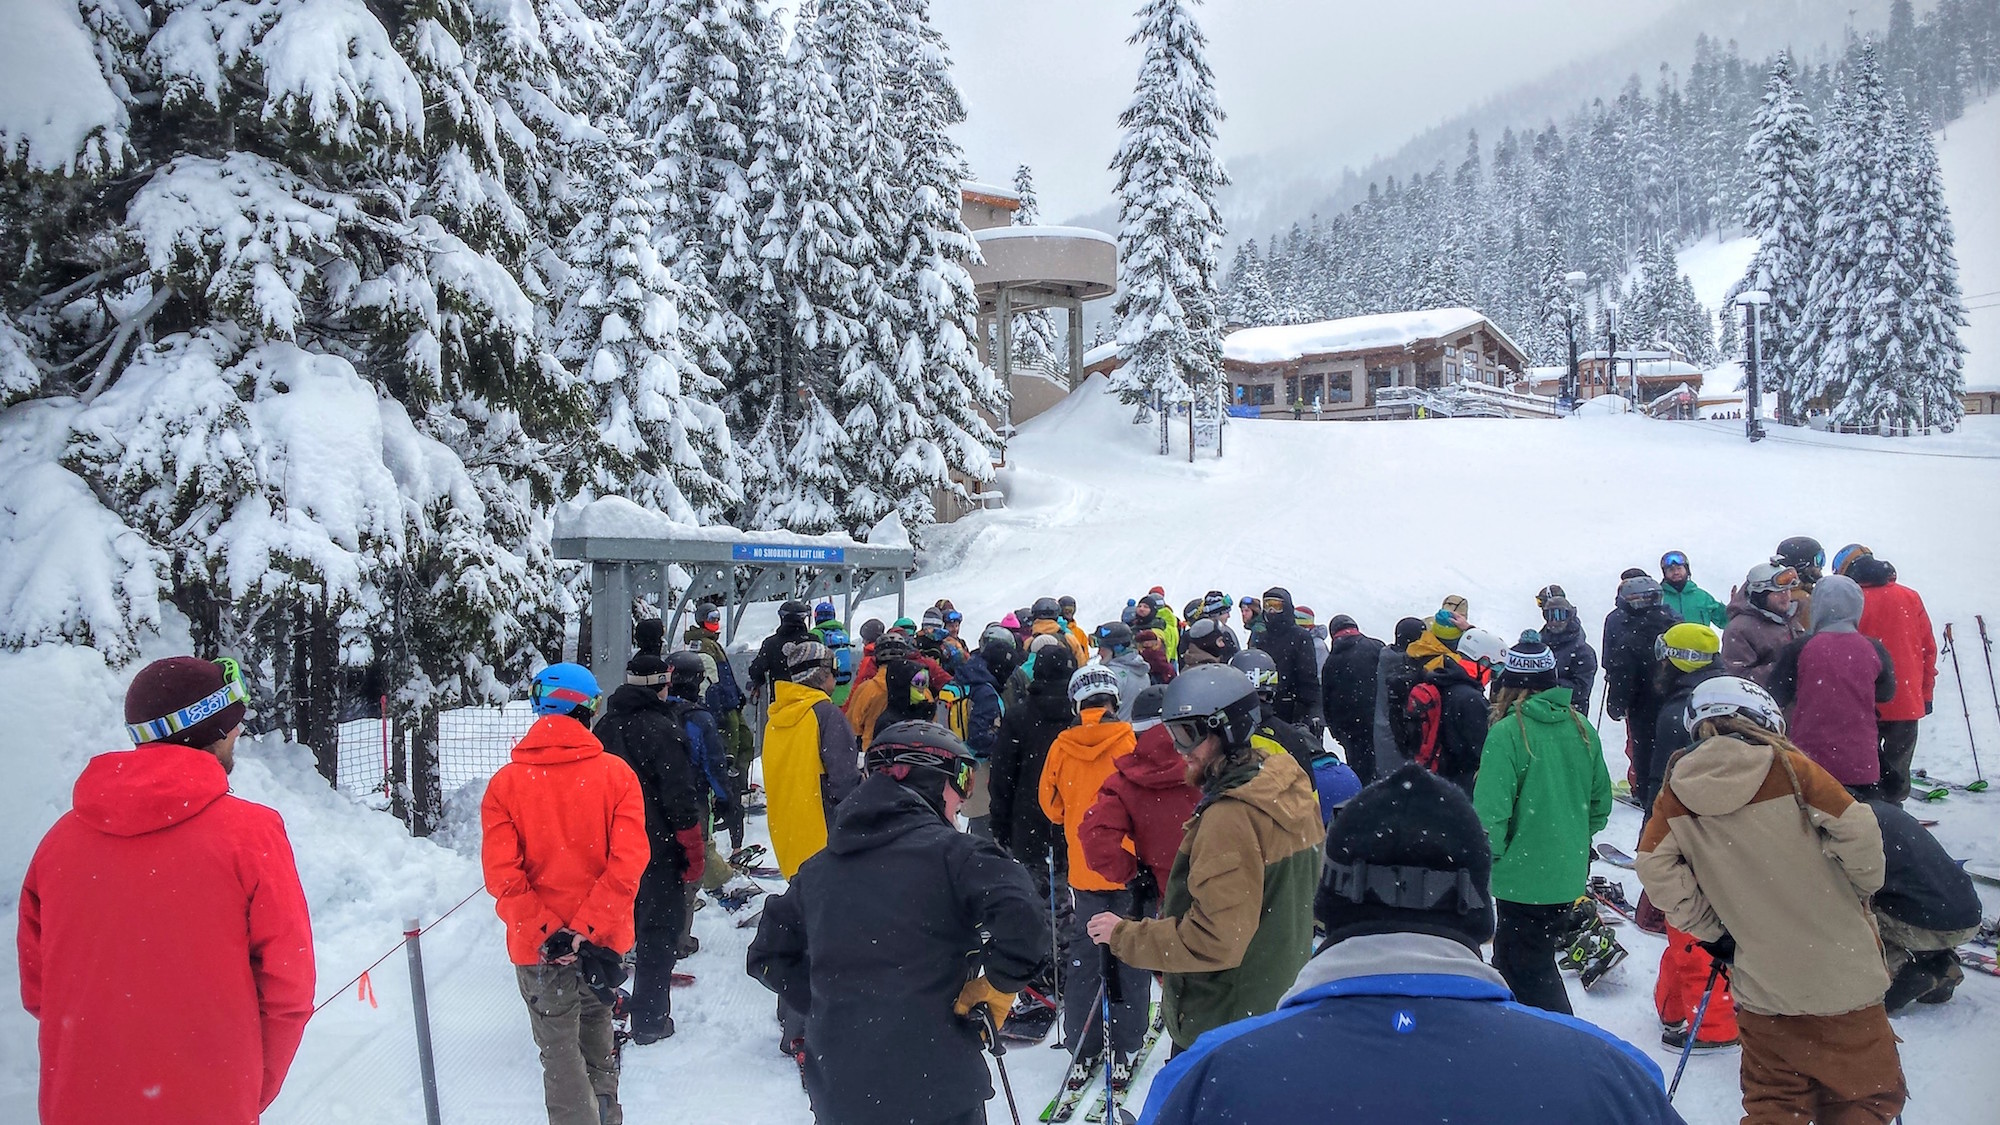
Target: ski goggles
[[231, 691], [1673, 558], [1786, 578], [1246, 602], [1187, 734], [1275, 605], [1552, 616], [1664, 651], [953, 617]]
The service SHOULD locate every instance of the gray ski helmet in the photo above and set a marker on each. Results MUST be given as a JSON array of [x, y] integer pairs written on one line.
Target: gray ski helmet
[[917, 744], [1067, 606], [1637, 593], [1262, 670], [687, 665], [793, 608], [1149, 703], [1214, 698], [1113, 635], [1046, 609]]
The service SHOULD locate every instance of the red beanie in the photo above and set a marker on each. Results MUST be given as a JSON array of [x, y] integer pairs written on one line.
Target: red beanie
[[164, 687]]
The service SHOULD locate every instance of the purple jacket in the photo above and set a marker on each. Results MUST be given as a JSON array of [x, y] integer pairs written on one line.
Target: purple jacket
[[1829, 684]]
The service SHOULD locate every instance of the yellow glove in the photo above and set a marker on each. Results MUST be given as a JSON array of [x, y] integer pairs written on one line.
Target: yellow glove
[[979, 991]]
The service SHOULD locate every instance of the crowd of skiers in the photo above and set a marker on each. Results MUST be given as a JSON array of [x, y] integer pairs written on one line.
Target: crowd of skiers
[[1307, 834]]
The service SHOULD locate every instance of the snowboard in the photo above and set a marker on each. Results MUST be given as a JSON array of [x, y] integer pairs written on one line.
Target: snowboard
[[1614, 856], [1984, 872], [1979, 962]]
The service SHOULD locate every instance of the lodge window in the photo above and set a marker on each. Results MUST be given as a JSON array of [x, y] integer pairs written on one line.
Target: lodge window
[[1340, 387], [1261, 394]]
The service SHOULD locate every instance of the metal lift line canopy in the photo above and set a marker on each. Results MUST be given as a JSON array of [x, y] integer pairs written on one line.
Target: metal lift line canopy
[[630, 549]]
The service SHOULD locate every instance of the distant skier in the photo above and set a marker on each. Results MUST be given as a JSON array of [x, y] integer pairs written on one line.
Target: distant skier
[[769, 665], [893, 934], [1347, 692], [1292, 649], [1830, 683], [1631, 633], [1805, 555], [1689, 602], [1576, 661]]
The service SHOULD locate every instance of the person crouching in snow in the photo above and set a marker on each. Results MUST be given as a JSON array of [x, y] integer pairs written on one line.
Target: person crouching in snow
[[1926, 909], [1236, 923], [1397, 989], [872, 936], [1761, 856], [563, 845], [164, 943], [1131, 834], [1542, 794]]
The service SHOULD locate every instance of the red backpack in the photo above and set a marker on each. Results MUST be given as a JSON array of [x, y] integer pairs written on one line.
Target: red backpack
[[1425, 710]]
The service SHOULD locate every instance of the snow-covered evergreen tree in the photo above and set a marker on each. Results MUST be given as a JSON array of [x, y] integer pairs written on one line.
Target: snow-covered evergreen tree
[[1561, 314], [1781, 211], [1036, 339], [1937, 311], [1250, 300], [1169, 306]]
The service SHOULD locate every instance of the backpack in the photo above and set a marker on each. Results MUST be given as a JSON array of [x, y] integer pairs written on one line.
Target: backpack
[[841, 646], [1425, 710], [955, 710]]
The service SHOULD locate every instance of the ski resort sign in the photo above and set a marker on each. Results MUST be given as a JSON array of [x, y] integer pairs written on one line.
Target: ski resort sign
[[786, 553]]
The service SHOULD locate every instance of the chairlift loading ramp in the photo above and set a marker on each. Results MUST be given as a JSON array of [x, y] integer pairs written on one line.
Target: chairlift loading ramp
[[626, 566]]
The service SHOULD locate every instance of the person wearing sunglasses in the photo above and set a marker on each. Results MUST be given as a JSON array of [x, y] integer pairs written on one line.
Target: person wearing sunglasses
[[1576, 661], [1688, 601], [1763, 619], [872, 937], [1298, 698], [164, 940], [1236, 924]]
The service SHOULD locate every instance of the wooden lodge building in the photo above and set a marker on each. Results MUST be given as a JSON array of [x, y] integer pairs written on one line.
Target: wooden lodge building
[[1333, 369]]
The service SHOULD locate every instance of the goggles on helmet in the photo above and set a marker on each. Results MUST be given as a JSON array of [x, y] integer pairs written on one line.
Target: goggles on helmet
[[1673, 558], [953, 617], [1246, 600], [231, 691], [1785, 579]]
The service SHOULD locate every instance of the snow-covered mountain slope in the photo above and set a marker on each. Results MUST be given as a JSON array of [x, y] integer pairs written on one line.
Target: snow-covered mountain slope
[[1969, 152]]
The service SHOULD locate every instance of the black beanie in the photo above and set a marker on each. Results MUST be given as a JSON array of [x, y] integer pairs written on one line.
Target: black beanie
[[649, 636], [1408, 630], [647, 669], [1407, 855], [1341, 623], [1634, 572]]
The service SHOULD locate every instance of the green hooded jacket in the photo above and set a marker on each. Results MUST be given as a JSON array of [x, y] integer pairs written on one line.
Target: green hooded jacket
[[1695, 605], [1542, 794]]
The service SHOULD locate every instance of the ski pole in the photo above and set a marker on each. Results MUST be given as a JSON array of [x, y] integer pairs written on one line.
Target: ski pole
[[1951, 648], [1986, 643], [983, 1017], [1055, 940], [1694, 1026], [1111, 985]]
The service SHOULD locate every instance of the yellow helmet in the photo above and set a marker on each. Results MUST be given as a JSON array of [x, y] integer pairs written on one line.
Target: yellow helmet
[[1689, 646]]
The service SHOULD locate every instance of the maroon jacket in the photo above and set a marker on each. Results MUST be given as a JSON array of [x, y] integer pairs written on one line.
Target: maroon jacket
[[1830, 683], [1146, 801]]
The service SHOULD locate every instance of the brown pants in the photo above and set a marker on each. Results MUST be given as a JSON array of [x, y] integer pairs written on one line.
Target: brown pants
[[1832, 1070], [573, 1030]]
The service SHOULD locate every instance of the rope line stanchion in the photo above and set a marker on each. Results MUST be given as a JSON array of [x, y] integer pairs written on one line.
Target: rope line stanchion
[[420, 1010], [363, 974]]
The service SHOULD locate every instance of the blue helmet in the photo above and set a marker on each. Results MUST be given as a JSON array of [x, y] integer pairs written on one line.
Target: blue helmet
[[561, 688]]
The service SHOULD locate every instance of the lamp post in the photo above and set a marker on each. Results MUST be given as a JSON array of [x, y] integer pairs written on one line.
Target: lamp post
[[1753, 302], [1575, 280], [1611, 355]]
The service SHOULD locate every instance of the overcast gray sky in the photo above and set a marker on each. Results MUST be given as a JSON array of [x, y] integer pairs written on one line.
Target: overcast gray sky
[[1347, 80]]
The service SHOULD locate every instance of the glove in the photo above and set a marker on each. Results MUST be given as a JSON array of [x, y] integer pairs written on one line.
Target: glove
[[1145, 892], [979, 991], [1927, 708], [1723, 949], [561, 944], [694, 850], [603, 970], [1316, 727]]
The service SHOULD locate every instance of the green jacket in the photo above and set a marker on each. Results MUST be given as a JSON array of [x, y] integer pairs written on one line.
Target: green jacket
[[1236, 921], [1695, 605], [1542, 794]]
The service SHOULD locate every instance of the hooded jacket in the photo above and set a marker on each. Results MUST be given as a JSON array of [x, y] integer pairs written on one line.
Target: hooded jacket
[[1347, 687], [1692, 603], [1133, 677], [164, 946], [877, 984], [1628, 661], [1735, 845], [1141, 811], [811, 762], [1079, 760], [1236, 920], [650, 735], [1576, 661], [1894, 615], [1292, 650], [1019, 754], [1078, 646], [1430, 650], [1542, 794], [563, 840], [1829, 684], [1754, 638], [975, 679], [1394, 670], [1467, 1052]]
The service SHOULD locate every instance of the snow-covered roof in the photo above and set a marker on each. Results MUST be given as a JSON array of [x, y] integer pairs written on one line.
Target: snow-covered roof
[[1286, 342], [1661, 369], [1100, 353], [995, 234], [993, 190], [614, 517]]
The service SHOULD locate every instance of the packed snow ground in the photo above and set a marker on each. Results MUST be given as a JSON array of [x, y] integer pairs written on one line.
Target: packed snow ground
[[1376, 520]]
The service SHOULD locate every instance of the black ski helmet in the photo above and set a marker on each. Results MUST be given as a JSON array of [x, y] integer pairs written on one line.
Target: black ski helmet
[[793, 609], [1113, 635], [917, 744], [686, 665], [1214, 698], [1046, 609], [1803, 554]]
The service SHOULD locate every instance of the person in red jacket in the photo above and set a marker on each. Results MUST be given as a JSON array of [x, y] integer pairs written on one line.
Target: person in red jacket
[[1893, 614], [1141, 811], [164, 940], [563, 844]]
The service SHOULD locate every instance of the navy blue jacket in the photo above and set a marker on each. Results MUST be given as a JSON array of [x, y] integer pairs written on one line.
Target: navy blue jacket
[[983, 692], [1410, 1047]]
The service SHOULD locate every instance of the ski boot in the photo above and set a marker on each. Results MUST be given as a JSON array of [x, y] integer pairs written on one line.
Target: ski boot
[[1121, 1071], [747, 856], [1675, 1036], [1081, 1073]]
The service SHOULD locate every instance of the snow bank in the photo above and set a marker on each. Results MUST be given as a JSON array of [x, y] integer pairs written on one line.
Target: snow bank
[[57, 113], [1284, 342]]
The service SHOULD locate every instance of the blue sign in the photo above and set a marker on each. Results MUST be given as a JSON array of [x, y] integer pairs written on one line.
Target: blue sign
[[781, 553]]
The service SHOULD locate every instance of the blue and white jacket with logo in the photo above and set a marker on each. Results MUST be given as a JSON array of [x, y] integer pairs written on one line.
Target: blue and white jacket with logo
[[1410, 1028]]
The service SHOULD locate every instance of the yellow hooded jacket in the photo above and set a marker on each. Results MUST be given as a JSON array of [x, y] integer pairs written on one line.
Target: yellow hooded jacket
[[810, 763]]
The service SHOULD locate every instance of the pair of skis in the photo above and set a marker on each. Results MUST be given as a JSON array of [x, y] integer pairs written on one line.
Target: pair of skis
[[1069, 1099], [1978, 784]]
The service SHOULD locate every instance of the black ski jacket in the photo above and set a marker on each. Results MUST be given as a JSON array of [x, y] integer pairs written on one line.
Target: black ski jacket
[[1347, 690], [1923, 886], [1291, 648], [1576, 662], [1462, 725], [1628, 661], [770, 662], [873, 940], [1019, 753], [650, 735]]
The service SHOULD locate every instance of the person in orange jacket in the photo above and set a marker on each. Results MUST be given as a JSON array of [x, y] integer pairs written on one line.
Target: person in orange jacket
[[1080, 760], [563, 844]]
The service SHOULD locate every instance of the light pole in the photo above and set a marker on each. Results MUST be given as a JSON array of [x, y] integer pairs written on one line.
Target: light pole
[[1753, 302], [1575, 280], [1611, 355]]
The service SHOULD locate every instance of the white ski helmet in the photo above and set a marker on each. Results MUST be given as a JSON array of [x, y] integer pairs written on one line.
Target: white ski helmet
[[1480, 645], [1766, 577], [1733, 695], [1093, 680]]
